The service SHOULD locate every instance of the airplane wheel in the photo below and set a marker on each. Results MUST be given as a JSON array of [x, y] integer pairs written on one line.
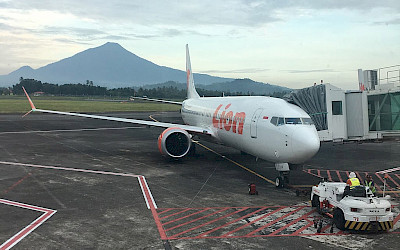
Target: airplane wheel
[[338, 218], [279, 182]]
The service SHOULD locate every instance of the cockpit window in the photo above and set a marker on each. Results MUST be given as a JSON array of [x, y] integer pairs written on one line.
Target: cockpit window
[[307, 121], [281, 121], [293, 121], [274, 120], [278, 121]]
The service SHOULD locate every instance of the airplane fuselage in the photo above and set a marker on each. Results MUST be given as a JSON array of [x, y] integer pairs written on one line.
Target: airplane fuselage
[[266, 127]]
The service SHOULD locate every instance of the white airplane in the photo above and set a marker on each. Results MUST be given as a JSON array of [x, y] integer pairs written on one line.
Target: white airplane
[[266, 127]]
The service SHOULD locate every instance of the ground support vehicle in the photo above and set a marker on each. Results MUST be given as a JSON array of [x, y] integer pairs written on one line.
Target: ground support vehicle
[[356, 209]]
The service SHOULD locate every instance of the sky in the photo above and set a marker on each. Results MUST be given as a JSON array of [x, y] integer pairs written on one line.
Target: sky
[[291, 43]]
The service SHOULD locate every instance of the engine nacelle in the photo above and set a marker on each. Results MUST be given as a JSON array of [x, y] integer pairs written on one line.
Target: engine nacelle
[[174, 142]]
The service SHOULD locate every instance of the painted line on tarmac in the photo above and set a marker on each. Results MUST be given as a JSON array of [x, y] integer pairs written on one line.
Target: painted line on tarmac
[[68, 169], [236, 163], [66, 130], [142, 180], [388, 170], [47, 213], [148, 197], [16, 183]]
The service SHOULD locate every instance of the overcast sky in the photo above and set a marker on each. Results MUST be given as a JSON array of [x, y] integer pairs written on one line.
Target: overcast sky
[[288, 43]]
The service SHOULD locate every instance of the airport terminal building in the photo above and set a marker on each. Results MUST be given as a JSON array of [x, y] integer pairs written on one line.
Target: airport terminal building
[[372, 112]]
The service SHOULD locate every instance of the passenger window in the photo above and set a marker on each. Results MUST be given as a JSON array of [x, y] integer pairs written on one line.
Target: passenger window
[[274, 120], [281, 121]]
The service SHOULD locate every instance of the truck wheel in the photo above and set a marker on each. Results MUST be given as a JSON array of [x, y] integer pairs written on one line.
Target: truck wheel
[[279, 182], [315, 203], [338, 218]]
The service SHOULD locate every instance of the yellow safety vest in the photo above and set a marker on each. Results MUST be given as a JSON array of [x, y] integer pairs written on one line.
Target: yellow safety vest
[[354, 182]]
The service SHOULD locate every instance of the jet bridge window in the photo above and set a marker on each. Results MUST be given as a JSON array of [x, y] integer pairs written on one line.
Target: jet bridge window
[[293, 121], [337, 108]]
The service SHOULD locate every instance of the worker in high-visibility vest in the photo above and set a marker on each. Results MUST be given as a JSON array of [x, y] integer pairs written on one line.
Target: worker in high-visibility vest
[[353, 181], [370, 183]]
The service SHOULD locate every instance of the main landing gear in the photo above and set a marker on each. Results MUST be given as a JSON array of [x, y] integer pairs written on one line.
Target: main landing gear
[[283, 178]]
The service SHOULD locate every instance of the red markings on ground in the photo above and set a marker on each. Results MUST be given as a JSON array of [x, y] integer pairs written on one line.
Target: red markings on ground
[[238, 222], [47, 213], [392, 180], [16, 184]]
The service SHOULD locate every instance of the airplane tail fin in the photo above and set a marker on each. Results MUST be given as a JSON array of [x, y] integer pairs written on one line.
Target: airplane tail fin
[[191, 89]]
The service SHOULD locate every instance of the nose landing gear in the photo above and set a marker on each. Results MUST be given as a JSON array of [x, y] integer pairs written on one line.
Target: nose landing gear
[[283, 178]]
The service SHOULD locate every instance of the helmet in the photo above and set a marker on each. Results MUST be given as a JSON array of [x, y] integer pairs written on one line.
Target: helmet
[[352, 175]]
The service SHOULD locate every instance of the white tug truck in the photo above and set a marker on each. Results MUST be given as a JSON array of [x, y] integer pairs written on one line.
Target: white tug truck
[[356, 209]]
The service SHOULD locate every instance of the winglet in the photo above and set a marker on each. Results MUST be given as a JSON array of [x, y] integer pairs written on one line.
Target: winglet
[[29, 99]]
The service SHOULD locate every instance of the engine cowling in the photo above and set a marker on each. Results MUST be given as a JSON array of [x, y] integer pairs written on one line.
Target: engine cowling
[[174, 142]]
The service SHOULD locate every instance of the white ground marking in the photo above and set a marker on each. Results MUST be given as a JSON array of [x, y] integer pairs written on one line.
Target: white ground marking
[[47, 213], [66, 130]]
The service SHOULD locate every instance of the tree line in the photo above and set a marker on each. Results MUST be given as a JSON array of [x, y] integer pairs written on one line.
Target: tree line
[[88, 89]]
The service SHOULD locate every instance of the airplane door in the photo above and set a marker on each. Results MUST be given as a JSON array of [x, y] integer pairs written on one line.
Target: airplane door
[[253, 124]]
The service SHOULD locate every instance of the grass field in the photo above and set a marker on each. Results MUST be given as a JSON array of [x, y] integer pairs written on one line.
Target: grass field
[[19, 104]]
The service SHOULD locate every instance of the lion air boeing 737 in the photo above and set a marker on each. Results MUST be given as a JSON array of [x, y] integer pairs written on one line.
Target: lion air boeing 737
[[269, 128]]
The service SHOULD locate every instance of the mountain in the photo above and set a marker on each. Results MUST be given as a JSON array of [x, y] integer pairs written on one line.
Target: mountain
[[109, 65], [238, 85], [245, 85]]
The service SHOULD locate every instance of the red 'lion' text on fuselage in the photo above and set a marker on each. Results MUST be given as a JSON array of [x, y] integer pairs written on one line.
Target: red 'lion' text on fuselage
[[226, 120]]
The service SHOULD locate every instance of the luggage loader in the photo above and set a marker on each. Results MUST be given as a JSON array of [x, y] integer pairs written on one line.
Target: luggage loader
[[356, 209]]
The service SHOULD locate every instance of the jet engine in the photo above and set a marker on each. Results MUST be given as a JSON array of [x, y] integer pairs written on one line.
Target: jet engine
[[174, 142]]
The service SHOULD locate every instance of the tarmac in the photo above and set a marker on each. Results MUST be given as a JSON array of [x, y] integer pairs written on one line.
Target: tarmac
[[78, 183]]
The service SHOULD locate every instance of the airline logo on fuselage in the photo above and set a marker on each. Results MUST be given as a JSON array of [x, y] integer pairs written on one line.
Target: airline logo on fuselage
[[226, 120]]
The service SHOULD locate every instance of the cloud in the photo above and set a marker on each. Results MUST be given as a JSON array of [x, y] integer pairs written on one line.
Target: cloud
[[311, 71], [394, 21], [250, 70]]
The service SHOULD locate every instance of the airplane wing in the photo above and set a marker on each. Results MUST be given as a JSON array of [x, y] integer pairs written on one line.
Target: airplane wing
[[188, 128], [154, 100]]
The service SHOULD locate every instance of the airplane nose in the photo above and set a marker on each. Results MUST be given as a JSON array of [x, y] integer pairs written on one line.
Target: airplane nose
[[305, 143]]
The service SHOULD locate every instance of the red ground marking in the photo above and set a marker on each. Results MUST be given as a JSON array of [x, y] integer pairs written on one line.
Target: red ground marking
[[309, 172], [16, 184], [47, 213], [153, 209], [303, 228], [329, 175], [165, 210], [205, 216], [307, 217], [396, 219], [207, 223], [377, 186], [293, 222], [274, 221], [184, 217], [319, 172], [395, 183], [252, 222], [360, 178], [241, 218], [338, 174], [179, 212], [398, 177]]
